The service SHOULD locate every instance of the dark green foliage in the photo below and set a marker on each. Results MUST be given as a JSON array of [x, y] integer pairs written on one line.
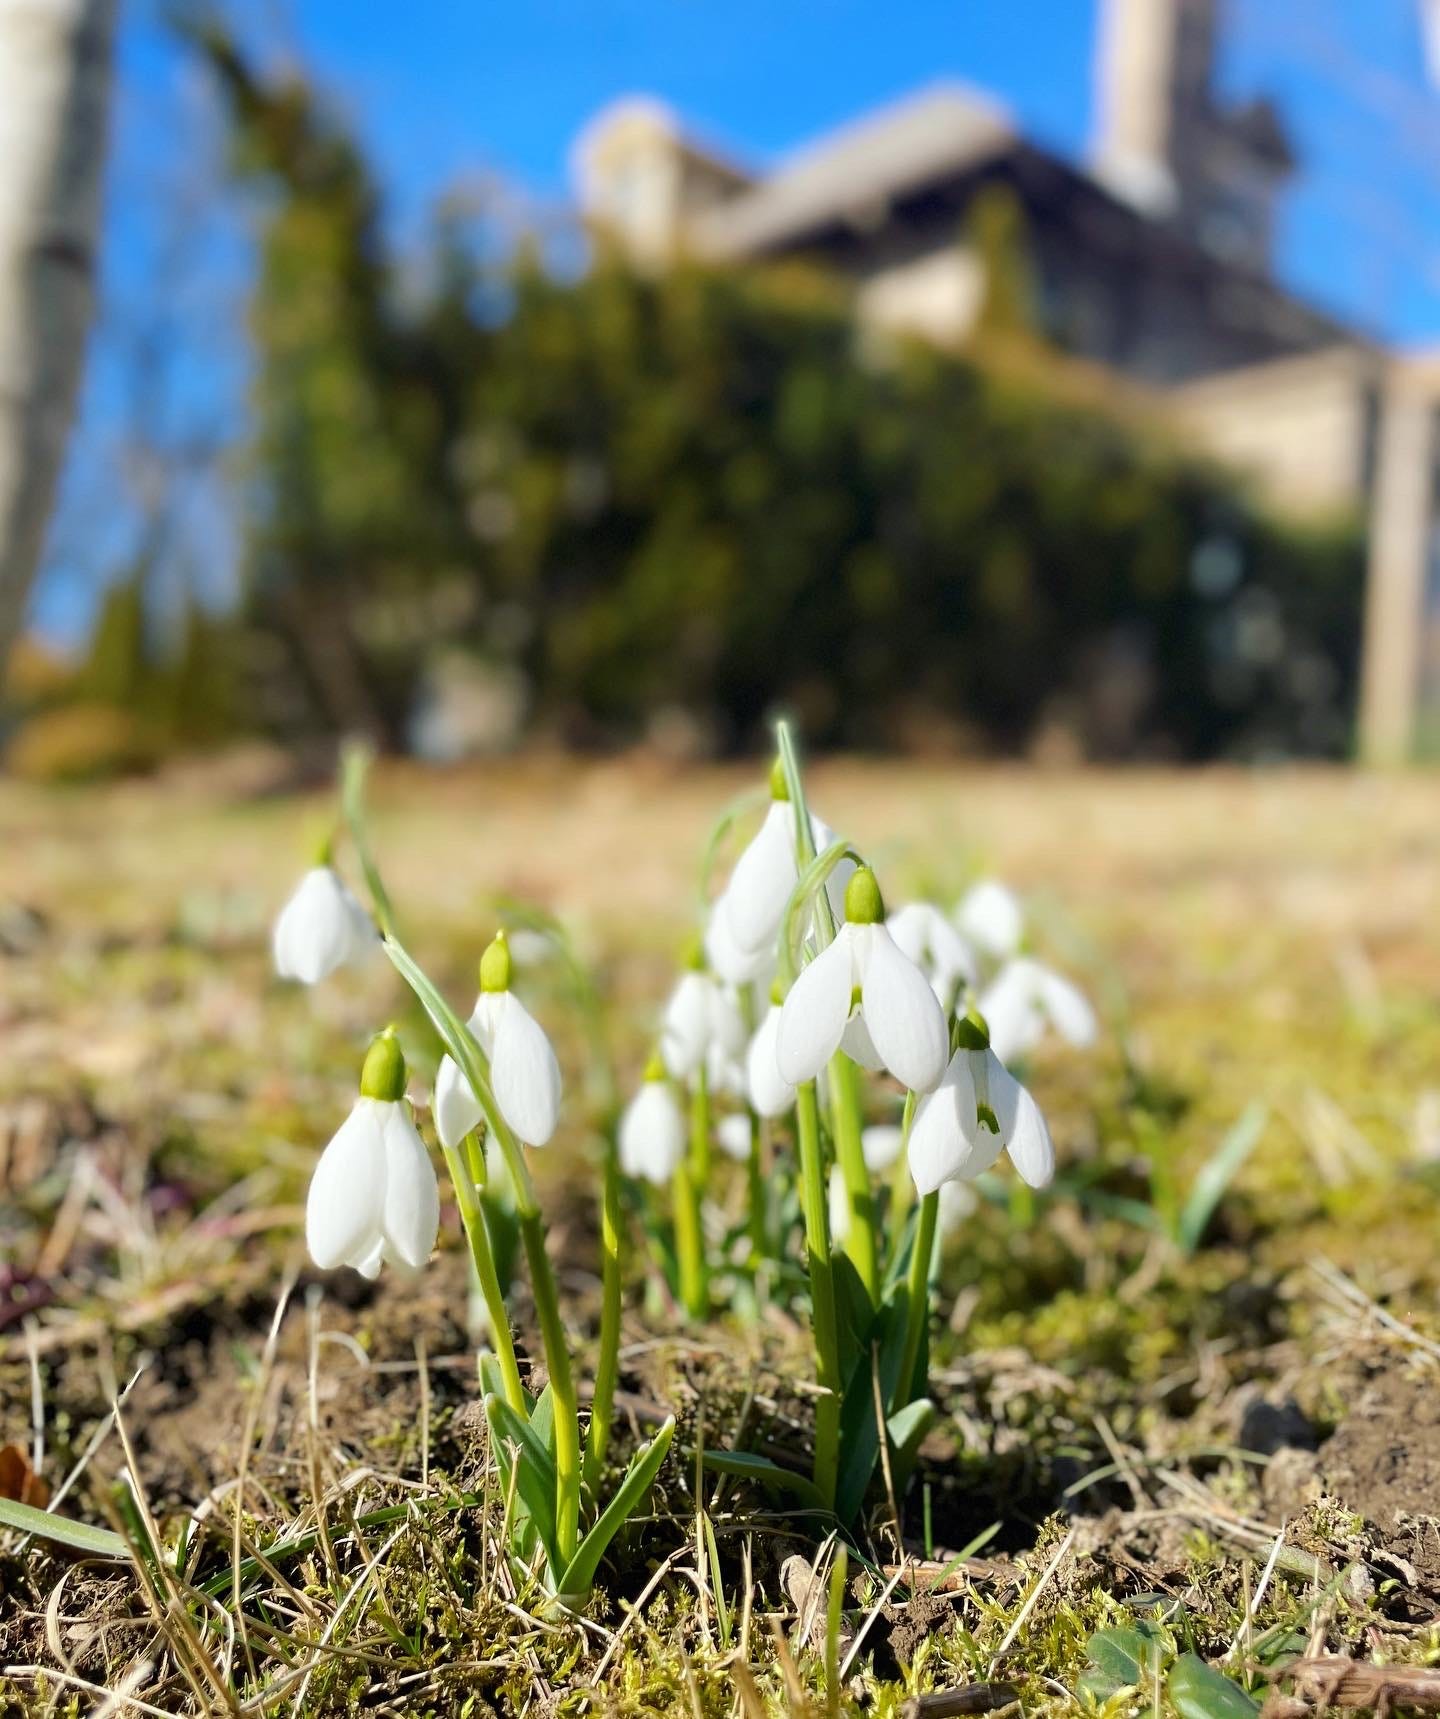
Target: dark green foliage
[[700, 493]]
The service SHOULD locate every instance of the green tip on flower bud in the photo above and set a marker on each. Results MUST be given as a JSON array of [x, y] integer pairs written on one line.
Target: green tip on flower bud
[[495, 965], [987, 1118], [383, 1075], [864, 905], [779, 785], [777, 991], [970, 1031], [692, 955], [655, 1069]]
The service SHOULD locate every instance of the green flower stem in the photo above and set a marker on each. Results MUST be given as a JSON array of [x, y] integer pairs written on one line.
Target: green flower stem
[[845, 1123], [562, 1382], [463, 1046], [354, 767], [822, 1291], [700, 1132], [607, 1365], [755, 1194], [918, 1289], [689, 1185], [902, 1185], [689, 1242], [473, 1218]]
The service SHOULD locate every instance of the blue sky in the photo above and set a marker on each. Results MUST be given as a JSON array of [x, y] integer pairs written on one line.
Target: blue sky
[[441, 88]]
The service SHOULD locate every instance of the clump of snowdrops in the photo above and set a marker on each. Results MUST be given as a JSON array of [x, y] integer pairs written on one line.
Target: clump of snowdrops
[[852, 1059]]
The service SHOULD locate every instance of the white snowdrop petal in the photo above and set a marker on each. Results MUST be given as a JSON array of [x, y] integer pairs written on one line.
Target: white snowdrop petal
[[735, 965], [652, 1133], [733, 1135], [761, 882], [902, 1015], [723, 1073], [1011, 1007], [368, 1264], [813, 1016], [343, 1211], [727, 1024], [1022, 1126], [859, 1046], [455, 1106], [938, 1148], [412, 1194], [485, 1020], [770, 1095], [685, 1026], [910, 928], [525, 1074], [958, 1201], [1069, 1008], [946, 1140], [951, 956], [839, 1199], [881, 1145], [990, 916], [319, 928]]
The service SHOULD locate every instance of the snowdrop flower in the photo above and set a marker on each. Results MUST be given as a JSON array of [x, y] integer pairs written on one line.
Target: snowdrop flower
[[701, 1019], [321, 927], [374, 1195], [839, 1201], [752, 905], [958, 1201], [880, 1144], [1024, 999], [900, 1024], [990, 916], [733, 1134], [770, 1095], [924, 934], [523, 1070], [652, 1130], [881, 1147], [724, 1072], [978, 1111], [736, 966]]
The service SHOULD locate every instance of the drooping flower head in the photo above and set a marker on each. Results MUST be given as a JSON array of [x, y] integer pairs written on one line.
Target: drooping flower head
[[747, 915], [990, 918], [652, 1129], [523, 1071], [374, 1196], [862, 993], [769, 1093], [321, 927], [732, 1135], [1025, 999], [978, 1111], [702, 1027], [930, 940]]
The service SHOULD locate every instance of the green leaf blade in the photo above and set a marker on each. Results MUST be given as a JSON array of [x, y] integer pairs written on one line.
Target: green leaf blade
[[1199, 1691], [62, 1530], [745, 1465], [579, 1575]]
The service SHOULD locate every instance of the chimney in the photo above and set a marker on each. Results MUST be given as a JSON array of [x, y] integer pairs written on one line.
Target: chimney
[[1153, 66]]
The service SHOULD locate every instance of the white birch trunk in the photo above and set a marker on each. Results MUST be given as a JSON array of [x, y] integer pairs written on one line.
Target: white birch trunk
[[55, 58]]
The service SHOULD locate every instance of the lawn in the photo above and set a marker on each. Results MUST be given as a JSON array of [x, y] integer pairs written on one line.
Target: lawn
[[1197, 1410]]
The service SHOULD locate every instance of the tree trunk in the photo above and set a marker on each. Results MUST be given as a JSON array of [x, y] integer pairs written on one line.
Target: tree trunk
[[55, 58]]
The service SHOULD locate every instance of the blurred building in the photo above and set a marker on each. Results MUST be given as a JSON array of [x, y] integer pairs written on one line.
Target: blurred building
[[1152, 259]]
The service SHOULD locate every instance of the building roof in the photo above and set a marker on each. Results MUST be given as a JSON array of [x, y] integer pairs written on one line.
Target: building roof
[[853, 173]]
